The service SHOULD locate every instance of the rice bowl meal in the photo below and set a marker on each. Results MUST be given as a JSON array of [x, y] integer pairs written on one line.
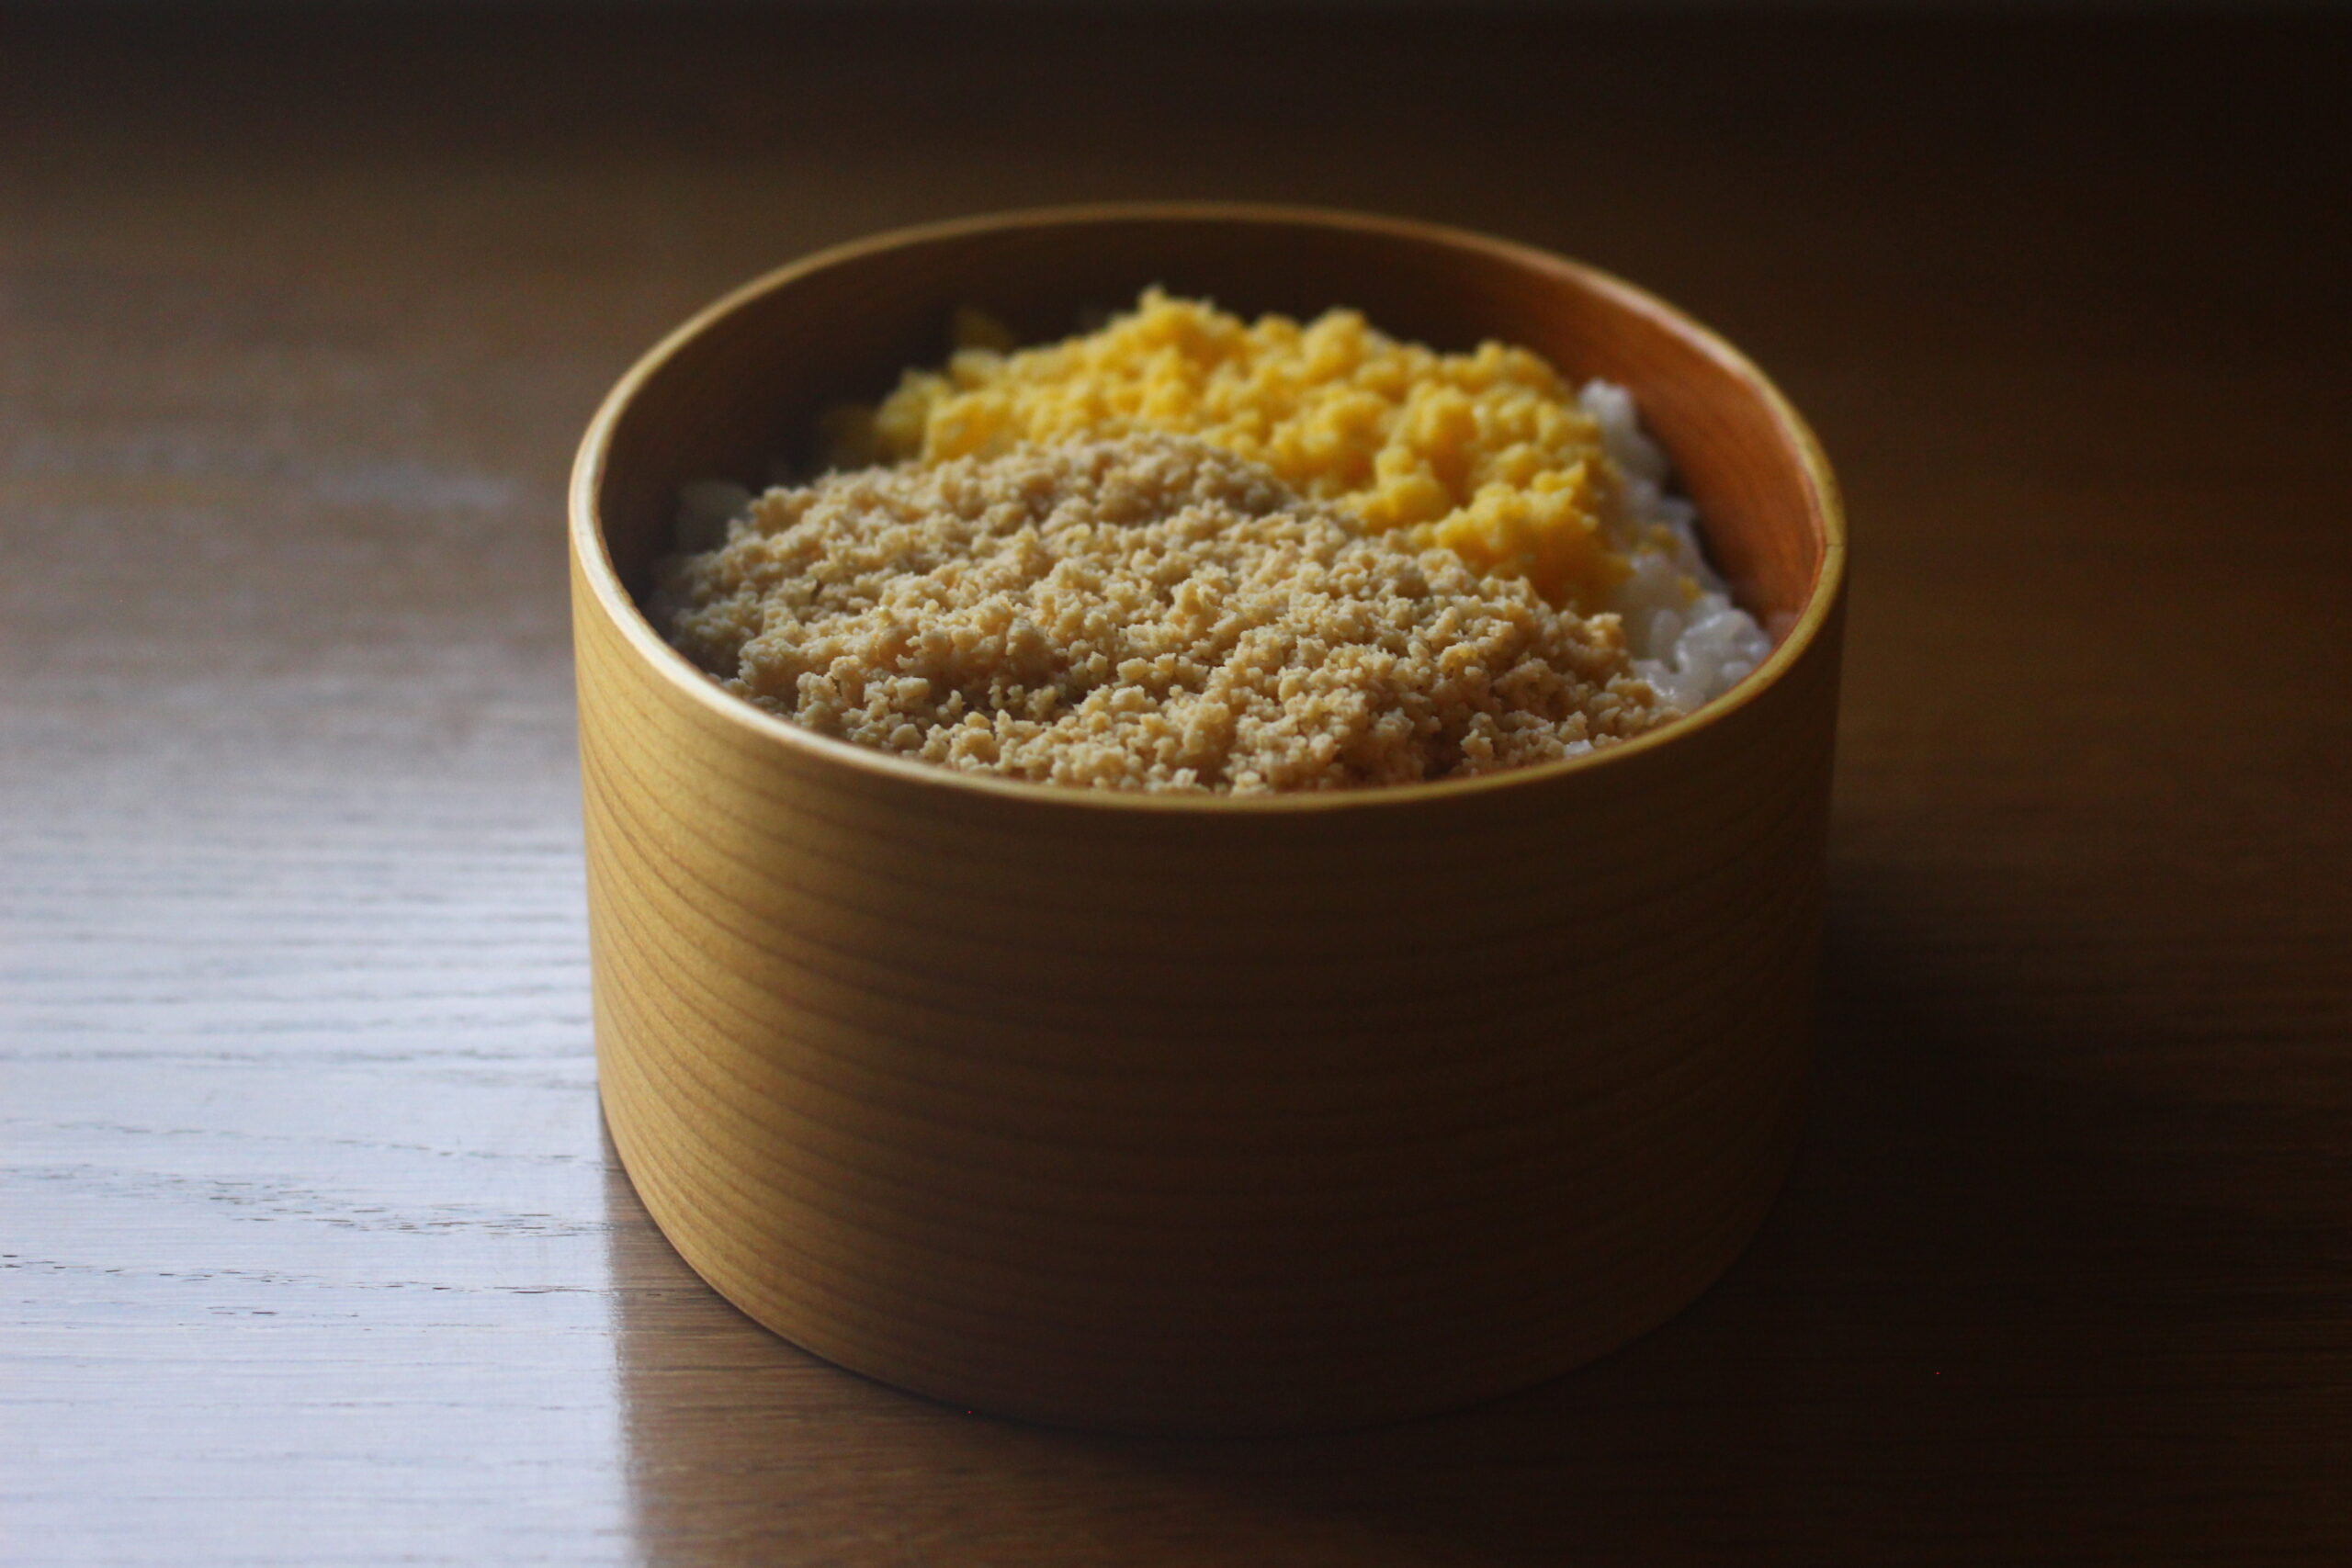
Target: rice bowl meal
[[1189, 552], [1154, 883]]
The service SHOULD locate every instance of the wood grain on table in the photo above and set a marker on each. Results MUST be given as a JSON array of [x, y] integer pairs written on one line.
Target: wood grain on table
[[312, 1249]]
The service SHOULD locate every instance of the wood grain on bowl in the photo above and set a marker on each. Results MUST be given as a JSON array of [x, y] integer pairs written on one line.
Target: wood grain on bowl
[[1179, 1114]]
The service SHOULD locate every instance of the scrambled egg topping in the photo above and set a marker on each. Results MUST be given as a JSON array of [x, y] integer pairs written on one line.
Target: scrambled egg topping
[[1486, 454]]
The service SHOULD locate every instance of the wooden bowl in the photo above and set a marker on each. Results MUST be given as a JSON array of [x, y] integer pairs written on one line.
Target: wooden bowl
[[1165, 1114]]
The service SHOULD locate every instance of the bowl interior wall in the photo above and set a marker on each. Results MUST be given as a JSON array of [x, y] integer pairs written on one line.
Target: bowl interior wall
[[739, 399]]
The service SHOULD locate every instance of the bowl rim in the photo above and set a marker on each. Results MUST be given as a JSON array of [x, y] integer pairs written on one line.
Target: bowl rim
[[593, 560]]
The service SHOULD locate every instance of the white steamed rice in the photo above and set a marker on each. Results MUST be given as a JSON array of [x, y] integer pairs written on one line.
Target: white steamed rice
[[1691, 650]]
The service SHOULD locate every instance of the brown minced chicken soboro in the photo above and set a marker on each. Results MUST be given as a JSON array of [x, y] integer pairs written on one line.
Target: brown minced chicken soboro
[[1139, 613]]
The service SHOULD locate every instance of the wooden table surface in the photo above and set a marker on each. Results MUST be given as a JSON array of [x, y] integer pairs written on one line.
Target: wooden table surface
[[311, 1249]]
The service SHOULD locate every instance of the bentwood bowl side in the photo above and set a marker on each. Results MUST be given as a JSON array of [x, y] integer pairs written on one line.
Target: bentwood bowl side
[[1167, 1113]]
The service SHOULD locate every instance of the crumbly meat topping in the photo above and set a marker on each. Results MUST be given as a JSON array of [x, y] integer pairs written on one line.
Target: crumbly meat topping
[[1143, 612]]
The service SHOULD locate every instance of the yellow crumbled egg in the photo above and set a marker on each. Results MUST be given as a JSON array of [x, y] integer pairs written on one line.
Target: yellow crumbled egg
[[1487, 453]]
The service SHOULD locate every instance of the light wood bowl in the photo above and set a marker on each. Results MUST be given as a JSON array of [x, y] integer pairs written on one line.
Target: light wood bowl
[[1161, 1114]]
